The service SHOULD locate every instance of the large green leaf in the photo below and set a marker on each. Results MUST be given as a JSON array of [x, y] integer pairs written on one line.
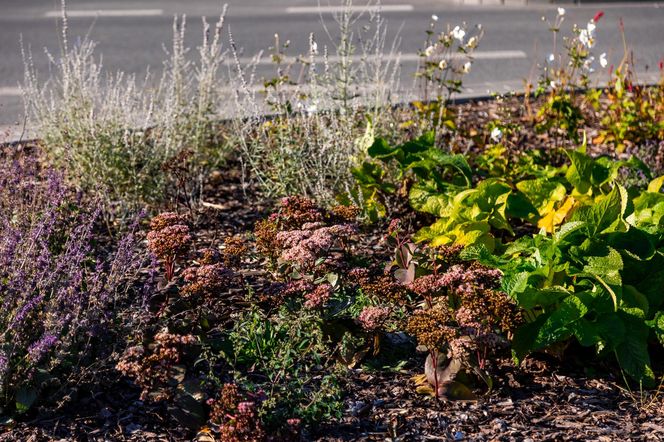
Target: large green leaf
[[605, 215], [424, 197], [580, 171], [523, 341], [561, 324], [25, 398], [456, 161], [532, 297], [632, 353], [381, 149], [657, 324], [605, 269], [605, 331], [491, 199], [541, 192]]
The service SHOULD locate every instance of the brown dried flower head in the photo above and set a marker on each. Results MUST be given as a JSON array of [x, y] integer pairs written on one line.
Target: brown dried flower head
[[234, 249]]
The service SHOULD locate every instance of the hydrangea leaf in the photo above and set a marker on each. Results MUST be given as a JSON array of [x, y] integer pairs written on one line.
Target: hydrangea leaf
[[425, 198], [632, 353], [605, 331], [542, 192], [560, 325], [655, 186], [555, 217], [657, 324], [605, 215]]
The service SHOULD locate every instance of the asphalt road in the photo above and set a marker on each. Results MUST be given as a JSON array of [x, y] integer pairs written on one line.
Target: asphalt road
[[131, 34]]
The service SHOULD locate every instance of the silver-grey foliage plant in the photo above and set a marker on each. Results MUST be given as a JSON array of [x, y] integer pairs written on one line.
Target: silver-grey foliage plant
[[114, 133]]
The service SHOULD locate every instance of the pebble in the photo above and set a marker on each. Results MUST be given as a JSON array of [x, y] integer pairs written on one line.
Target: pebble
[[133, 428]]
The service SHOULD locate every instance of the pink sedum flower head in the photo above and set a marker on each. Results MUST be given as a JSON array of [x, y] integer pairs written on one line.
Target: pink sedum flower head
[[318, 297], [372, 318]]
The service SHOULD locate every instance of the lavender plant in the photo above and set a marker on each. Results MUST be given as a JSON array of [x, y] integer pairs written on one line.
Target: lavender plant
[[57, 297]]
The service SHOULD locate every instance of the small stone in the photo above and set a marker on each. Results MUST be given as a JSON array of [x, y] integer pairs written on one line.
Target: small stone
[[132, 428], [499, 424]]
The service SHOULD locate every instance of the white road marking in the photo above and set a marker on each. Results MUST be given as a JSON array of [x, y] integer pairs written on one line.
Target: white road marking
[[477, 55], [108, 13], [336, 9], [10, 91]]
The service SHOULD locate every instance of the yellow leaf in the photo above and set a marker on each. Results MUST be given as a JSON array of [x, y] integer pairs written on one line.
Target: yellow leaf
[[556, 217], [656, 185], [420, 379], [425, 389]]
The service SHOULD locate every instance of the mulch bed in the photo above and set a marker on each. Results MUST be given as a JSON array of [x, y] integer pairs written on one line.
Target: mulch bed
[[541, 400], [535, 402]]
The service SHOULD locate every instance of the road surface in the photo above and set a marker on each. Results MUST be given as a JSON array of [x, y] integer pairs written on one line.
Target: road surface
[[131, 34]]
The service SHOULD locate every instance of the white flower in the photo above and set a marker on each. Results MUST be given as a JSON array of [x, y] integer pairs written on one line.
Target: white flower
[[466, 67], [429, 51], [552, 57], [552, 84], [587, 64], [602, 60], [586, 39], [314, 48], [472, 43], [561, 11], [434, 17], [458, 33], [496, 134], [587, 36], [443, 64]]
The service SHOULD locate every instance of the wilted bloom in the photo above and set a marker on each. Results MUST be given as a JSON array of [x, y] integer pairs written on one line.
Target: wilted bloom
[[372, 318], [443, 64], [466, 67], [587, 64], [602, 60], [496, 134], [561, 11], [166, 219], [458, 34]]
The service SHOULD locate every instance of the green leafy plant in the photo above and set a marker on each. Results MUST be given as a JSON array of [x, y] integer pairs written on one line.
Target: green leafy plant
[[596, 279]]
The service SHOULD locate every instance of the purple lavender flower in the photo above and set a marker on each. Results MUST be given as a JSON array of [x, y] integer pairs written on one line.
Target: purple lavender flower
[[38, 350], [55, 291]]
